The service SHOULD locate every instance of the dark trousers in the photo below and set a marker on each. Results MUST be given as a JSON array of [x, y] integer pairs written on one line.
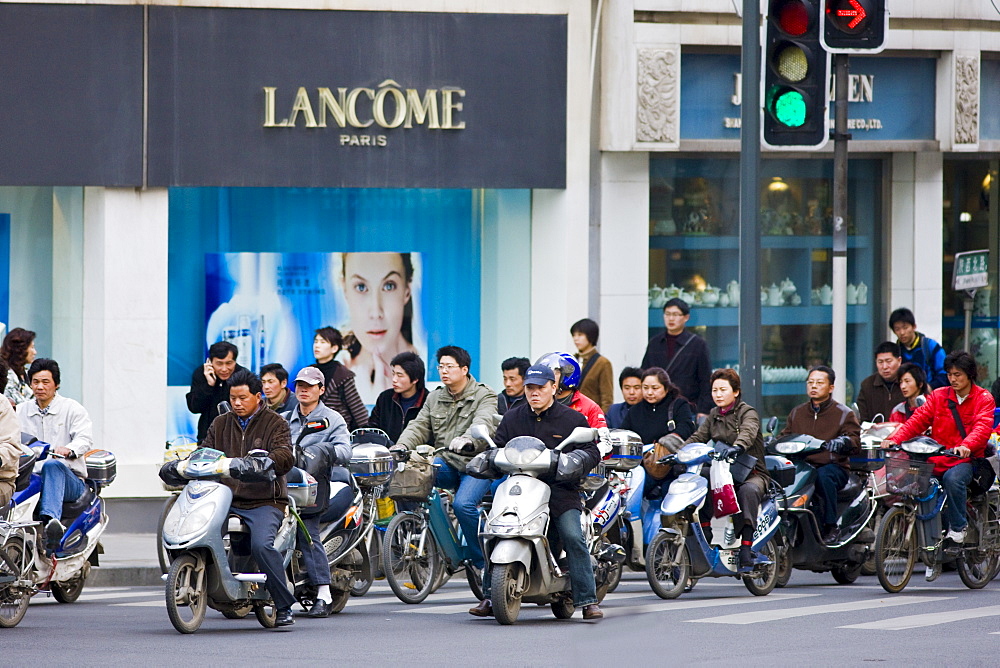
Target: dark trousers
[[314, 555], [263, 524], [830, 478]]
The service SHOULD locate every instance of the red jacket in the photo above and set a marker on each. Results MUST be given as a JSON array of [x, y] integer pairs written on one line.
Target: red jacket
[[976, 413], [594, 414]]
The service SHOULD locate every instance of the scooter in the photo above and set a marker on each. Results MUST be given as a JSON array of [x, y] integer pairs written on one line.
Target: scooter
[[523, 566], [681, 551], [64, 572], [18, 544], [803, 528], [197, 535]]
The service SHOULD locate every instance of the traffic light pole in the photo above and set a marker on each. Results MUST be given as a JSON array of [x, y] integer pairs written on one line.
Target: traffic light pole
[[840, 139], [749, 331]]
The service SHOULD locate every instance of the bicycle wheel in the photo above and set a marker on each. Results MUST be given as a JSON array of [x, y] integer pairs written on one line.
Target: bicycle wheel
[[667, 565], [410, 558], [474, 576], [895, 550], [977, 564], [13, 602], [161, 553]]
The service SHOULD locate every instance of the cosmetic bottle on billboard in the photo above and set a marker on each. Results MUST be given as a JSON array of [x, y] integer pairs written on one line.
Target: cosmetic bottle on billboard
[[244, 343], [231, 334], [262, 343]]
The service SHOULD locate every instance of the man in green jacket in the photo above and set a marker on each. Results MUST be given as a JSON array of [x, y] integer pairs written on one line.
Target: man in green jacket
[[445, 421]]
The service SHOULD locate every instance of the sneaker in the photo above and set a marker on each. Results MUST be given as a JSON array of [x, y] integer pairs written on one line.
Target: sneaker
[[932, 573], [54, 531], [957, 537]]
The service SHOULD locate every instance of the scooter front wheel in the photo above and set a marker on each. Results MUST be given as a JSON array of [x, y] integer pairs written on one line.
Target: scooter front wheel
[[186, 589], [506, 591], [668, 565]]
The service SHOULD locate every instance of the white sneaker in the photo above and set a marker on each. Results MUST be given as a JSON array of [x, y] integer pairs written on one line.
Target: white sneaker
[[932, 573], [957, 537]]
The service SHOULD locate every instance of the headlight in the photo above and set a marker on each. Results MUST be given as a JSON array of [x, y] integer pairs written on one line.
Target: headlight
[[196, 520], [790, 447], [921, 447], [522, 456], [536, 525]]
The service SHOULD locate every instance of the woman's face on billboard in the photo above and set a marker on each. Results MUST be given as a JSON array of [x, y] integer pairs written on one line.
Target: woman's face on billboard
[[377, 292]]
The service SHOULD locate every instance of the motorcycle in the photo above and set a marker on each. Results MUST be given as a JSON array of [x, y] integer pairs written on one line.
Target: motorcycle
[[197, 535], [64, 572], [523, 566], [681, 553], [18, 543]]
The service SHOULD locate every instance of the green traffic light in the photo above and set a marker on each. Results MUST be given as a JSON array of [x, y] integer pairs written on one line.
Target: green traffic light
[[789, 108]]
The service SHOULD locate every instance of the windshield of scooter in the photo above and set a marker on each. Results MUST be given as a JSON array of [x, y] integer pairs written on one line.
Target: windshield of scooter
[[882, 430], [523, 450], [206, 456]]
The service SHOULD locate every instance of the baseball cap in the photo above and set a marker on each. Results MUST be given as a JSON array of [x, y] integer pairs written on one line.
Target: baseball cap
[[310, 375], [538, 375]]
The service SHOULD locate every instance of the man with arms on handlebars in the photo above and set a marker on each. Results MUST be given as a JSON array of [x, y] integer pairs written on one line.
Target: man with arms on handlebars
[[445, 421], [960, 417], [550, 422], [65, 425], [317, 453], [251, 426], [824, 418], [210, 384]]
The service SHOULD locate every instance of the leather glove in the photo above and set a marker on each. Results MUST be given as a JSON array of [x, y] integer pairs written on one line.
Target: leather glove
[[462, 445], [481, 466], [671, 442], [571, 466], [839, 446], [171, 476], [728, 451], [252, 469], [604, 443]]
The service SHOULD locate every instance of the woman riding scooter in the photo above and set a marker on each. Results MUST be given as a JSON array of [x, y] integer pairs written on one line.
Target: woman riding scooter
[[735, 424]]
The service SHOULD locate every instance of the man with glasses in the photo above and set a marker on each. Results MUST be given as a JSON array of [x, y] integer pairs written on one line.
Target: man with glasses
[[824, 418], [445, 421], [683, 355]]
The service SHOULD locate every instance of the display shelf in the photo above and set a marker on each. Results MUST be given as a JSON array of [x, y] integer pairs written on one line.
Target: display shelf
[[770, 315], [699, 242]]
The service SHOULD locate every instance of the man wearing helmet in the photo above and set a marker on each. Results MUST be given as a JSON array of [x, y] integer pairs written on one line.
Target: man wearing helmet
[[567, 373]]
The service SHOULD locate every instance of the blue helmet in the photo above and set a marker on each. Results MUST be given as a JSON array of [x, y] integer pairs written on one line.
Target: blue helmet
[[566, 365]]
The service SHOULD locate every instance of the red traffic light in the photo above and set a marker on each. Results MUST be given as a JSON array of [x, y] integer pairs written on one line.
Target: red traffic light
[[793, 17], [850, 16]]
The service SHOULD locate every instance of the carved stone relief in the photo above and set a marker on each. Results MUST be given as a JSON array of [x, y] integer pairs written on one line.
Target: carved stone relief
[[966, 100], [658, 104]]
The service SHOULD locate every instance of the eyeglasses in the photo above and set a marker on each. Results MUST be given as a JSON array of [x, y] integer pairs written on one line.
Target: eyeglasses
[[448, 367]]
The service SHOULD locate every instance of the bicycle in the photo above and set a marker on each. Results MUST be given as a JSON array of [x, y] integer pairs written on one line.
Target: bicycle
[[423, 546], [17, 555], [912, 526]]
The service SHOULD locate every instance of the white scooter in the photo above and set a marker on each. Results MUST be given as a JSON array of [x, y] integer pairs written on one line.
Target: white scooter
[[523, 567]]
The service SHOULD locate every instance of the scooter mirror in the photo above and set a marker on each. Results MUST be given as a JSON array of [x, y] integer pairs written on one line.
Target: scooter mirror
[[579, 435], [772, 424], [224, 407], [480, 433]]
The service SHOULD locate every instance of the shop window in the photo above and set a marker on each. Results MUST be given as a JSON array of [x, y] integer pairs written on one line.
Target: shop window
[[694, 255]]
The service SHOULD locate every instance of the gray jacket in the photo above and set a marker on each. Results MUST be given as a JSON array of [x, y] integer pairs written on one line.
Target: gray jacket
[[444, 417], [335, 437]]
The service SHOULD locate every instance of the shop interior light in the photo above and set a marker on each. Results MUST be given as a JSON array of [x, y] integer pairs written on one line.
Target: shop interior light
[[789, 107], [965, 217], [777, 185], [792, 63], [793, 17]]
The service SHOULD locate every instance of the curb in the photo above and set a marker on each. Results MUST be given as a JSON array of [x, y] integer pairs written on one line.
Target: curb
[[125, 576]]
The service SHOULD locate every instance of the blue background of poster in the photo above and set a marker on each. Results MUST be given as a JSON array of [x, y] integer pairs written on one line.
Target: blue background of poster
[[441, 225]]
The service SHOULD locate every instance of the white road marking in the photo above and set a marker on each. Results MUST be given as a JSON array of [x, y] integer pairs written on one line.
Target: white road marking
[[158, 603], [789, 613], [928, 619], [86, 596]]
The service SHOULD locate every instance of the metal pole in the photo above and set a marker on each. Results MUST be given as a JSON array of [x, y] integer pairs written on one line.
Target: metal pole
[[840, 139], [967, 303], [749, 330]]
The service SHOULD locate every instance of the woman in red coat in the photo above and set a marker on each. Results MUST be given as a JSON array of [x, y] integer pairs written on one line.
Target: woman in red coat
[[967, 435]]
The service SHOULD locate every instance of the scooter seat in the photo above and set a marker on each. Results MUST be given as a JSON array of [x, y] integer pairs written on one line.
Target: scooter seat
[[595, 497], [235, 524], [851, 489], [72, 509]]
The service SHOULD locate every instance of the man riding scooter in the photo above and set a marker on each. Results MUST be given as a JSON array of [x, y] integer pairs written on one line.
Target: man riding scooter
[[549, 421]]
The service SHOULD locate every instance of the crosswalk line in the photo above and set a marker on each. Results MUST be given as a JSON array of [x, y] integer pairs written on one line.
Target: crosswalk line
[[928, 619], [158, 603], [389, 597], [110, 596], [464, 607], [789, 613], [620, 610]]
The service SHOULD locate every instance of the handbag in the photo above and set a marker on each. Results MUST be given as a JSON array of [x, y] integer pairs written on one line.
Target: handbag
[[413, 480], [658, 452], [723, 490]]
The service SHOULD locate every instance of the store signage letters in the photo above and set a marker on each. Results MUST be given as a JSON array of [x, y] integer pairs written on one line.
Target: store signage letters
[[860, 88]]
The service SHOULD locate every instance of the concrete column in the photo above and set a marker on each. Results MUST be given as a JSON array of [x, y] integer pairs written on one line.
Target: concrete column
[[624, 258], [125, 330], [67, 298]]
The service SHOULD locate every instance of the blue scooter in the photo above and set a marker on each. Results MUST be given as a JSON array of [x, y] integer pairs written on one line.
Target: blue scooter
[[680, 551]]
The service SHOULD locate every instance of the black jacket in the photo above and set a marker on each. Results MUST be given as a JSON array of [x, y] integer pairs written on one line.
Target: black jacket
[[690, 368], [204, 399], [878, 397], [388, 412], [650, 420], [506, 402], [551, 427]]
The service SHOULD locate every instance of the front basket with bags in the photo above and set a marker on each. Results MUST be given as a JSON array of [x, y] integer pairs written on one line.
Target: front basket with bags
[[413, 480]]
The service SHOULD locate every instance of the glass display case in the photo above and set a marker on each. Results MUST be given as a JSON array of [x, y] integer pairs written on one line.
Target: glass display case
[[694, 255]]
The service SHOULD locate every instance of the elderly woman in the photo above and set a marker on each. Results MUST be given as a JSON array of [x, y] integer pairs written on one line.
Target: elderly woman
[[736, 424]]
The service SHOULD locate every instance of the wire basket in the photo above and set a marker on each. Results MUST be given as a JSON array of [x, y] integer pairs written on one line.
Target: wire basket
[[904, 475]]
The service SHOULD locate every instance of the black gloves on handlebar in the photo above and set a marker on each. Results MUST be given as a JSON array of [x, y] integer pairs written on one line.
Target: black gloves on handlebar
[[572, 466], [728, 451], [252, 469], [170, 476], [839, 446], [481, 466]]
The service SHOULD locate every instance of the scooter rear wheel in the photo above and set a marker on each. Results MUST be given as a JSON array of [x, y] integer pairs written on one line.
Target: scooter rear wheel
[[895, 550], [13, 605], [784, 563], [507, 588], [563, 608], [668, 565], [266, 613], [70, 590], [186, 588], [362, 580], [761, 581]]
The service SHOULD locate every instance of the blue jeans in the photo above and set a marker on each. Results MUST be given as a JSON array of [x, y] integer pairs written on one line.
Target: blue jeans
[[830, 479], [469, 492], [956, 482], [59, 485], [568, 536], [313, 556], [264, 523]]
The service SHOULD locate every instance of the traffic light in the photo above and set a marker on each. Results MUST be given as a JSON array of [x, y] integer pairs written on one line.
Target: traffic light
[[796, 70], [854, 26]]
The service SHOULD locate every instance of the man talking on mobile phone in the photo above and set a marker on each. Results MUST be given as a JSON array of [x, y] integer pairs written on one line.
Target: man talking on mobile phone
[[210, 384]]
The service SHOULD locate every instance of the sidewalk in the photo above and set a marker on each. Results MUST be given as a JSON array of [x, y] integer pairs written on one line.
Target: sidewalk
[[129, 559]]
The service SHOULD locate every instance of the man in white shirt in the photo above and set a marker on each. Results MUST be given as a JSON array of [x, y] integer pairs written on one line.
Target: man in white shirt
[[65, 425]]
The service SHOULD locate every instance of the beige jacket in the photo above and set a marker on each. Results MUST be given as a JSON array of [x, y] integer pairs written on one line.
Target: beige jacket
[[10, 450]]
